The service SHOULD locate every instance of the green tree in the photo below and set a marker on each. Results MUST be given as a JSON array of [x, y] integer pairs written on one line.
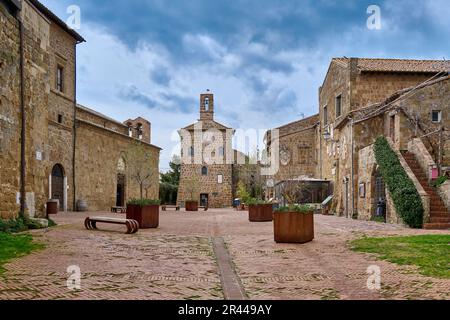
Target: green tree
[[169, 182]]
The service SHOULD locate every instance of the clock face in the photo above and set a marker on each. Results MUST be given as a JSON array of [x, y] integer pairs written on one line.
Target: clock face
[[285, 155]]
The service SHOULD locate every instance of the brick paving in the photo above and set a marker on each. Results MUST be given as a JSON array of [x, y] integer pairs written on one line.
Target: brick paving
[[178, 261]]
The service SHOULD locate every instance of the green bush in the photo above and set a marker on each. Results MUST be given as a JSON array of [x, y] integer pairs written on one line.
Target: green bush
[[439, 181], [295, 208], [21, 224], [144, 202], [406, 199]]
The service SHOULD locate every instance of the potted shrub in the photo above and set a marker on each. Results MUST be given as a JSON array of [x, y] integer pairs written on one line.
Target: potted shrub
[[144, 211], [260, 210], [192, 187], [293, 223]]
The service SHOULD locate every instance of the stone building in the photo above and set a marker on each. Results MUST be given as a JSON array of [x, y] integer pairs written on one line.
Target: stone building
[[416, 122], [38, 116], [353, 85], [208, 159], [406, 101], [298, 152], [102, 178]]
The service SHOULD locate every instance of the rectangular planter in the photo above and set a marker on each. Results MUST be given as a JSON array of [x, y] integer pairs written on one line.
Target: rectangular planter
[[191, 205], [147, 216], [293, 227], [260, 213]]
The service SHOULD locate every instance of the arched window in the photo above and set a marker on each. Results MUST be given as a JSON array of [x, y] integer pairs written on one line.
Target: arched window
[[204, 171], [207, 104]]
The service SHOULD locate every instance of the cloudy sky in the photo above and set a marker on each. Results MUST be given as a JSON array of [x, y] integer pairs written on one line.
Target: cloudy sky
[[263, 59]]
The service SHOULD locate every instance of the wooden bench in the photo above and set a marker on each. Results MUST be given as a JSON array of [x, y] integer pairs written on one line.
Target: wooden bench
[[132, 225], [119, 209], [165, 207]]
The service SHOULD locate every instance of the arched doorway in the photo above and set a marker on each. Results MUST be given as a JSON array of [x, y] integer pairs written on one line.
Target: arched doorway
[[121, 181], [57, 185]]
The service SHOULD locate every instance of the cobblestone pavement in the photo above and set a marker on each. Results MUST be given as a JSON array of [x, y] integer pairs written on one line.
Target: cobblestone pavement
[[177, 261]]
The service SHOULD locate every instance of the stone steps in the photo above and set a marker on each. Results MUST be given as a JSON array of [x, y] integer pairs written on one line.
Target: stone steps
[[439, 215]]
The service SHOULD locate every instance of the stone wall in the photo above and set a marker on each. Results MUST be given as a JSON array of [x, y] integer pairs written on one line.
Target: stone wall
[[98, 153], [373, 87], [9, 115], [101, 120], [298, 149], [444, 192]]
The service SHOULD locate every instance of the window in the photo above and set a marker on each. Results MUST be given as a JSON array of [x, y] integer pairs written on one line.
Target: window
[[220, 179], [338, 106], [436, 116], [191, 151], [60, 79], [325, 115], [204, 171], [207, 104], [139, 130], [60, 118], [221, 152]]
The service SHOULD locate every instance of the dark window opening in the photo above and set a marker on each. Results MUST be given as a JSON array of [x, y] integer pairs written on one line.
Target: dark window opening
[[204, 171], [60, 118], [60, 79], [436, 116], [338, 106], [325, 115]]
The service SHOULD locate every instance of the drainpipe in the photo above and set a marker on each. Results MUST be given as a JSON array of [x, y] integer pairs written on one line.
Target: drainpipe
[[23, 120], [74, 137], [352, 167]]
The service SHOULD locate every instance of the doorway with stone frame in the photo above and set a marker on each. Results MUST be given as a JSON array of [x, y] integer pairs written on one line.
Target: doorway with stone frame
[[58, 186]]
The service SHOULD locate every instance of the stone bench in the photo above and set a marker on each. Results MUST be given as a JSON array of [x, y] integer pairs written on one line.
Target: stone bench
[[132, 225]]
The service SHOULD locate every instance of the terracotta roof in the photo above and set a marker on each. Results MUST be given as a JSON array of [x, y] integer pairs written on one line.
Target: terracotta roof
[[398, 65]]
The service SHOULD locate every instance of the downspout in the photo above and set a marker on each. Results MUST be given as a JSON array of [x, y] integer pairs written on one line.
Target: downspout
[[74, 139], [352, 167], [23, 121]]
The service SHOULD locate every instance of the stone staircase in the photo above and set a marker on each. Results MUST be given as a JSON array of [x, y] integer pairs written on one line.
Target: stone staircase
[[439, 215]]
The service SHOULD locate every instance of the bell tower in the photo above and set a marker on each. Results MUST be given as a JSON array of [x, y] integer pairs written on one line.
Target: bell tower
[[207, 106]]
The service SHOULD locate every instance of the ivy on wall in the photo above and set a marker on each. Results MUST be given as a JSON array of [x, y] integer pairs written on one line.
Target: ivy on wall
[[406, 199]]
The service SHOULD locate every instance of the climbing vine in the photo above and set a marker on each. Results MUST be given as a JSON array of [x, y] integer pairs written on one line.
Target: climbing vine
[[406, 199]]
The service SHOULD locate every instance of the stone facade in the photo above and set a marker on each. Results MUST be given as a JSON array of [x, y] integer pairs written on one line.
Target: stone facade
[[350, 100], [403, 121], [49, 75], [101, 147], [207, 159], [9, 114]]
